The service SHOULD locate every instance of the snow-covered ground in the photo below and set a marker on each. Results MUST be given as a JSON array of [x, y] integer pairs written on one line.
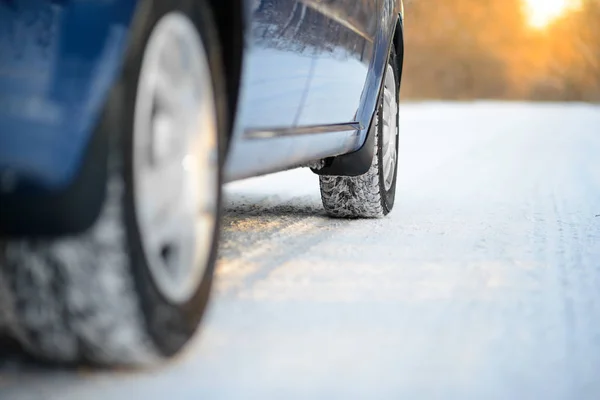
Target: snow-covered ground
[[484, 283]]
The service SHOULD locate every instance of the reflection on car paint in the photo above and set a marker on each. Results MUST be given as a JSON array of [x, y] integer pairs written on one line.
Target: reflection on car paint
[[28, 42], [58, 58]]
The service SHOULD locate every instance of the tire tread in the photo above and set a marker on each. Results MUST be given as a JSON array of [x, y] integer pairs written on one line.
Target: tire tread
[[73, 298], [354, 196]]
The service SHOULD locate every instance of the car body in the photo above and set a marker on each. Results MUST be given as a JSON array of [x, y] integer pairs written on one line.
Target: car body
[[300, 67], [121, 119]]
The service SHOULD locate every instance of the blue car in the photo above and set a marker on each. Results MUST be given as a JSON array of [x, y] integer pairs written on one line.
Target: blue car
[[120, 120]]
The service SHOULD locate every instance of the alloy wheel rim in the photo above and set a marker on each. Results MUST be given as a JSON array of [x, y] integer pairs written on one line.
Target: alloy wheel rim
[[390, 128], [175, 157]]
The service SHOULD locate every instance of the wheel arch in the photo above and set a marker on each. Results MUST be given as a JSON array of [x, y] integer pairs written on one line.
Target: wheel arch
[[230, 21], [399, 45]]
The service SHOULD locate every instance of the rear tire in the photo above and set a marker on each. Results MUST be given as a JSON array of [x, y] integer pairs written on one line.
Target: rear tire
[[371, 195], [101, 297]]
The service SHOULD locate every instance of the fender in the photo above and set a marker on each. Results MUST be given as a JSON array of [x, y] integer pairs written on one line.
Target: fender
[[53, 172]]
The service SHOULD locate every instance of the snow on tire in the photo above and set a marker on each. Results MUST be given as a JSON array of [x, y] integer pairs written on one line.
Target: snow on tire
[[372, 194], [73, 299]]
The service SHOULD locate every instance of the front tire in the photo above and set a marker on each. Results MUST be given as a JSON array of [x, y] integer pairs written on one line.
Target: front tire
[[371, 195], [132, 289]]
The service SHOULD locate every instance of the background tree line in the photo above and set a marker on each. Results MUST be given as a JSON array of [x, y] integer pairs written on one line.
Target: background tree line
[[485, 49]]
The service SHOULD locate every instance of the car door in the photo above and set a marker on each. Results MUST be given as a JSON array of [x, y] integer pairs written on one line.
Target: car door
[[277, 64], [276, 67], [348, 32]]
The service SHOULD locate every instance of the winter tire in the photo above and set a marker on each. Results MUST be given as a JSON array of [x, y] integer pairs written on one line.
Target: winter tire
[[371, 195], [132, 289]]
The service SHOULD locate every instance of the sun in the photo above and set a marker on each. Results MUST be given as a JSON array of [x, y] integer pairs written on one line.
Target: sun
[[542, 12]]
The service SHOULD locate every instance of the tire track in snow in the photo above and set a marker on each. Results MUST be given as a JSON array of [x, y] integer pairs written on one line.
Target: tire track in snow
[[275, 233]]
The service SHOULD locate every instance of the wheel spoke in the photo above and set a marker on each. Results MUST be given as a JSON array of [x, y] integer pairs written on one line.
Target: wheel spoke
[[166, 92], [386, 149], [162, 188]]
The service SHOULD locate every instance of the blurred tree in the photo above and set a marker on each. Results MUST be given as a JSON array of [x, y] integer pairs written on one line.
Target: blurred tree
[[468, 49], [461, 49], [574, 57]]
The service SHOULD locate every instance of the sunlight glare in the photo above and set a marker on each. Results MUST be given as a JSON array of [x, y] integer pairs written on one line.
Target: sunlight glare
[[543, 12]]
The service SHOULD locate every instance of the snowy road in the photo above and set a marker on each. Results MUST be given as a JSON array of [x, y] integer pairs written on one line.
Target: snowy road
[[484, 283]]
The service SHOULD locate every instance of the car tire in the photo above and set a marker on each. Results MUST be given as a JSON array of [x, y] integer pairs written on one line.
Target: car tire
[[372, 194], [131, 290]]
